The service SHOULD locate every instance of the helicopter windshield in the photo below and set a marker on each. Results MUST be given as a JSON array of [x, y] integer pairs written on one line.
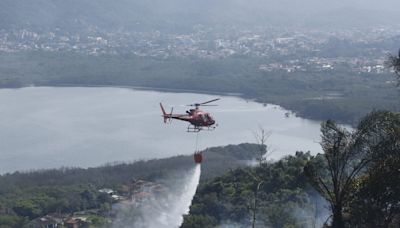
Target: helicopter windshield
[[206, 117]]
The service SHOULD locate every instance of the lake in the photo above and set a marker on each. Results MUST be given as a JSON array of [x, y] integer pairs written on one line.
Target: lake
[[51, 127]]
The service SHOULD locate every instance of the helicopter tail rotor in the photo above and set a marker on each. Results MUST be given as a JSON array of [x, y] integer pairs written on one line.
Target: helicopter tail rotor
[[164, 114], [170, 114]]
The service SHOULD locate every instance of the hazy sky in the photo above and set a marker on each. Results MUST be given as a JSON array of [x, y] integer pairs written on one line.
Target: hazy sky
[[173, 13]]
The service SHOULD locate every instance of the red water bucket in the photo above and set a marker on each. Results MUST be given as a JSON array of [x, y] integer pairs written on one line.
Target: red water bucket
[[198, 157]]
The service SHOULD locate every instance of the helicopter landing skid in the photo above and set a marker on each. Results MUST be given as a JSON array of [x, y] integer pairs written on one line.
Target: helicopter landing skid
[[196, 129], [192, 128]]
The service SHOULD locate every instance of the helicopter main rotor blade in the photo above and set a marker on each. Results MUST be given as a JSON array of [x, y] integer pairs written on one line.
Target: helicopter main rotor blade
[[204, 103], [177, 105], [192, 105], [210, 101]]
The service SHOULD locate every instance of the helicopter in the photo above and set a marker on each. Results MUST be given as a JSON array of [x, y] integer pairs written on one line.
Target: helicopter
[[198, 119]]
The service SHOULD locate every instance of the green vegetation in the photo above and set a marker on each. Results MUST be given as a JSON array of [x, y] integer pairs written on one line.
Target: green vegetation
[[394, 63], [358, 176], [284, 197], [338, 95], [26, 196], [347, 155]]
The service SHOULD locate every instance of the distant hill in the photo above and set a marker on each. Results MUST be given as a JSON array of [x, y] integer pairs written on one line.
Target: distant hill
[[177, 15], [217, 160]]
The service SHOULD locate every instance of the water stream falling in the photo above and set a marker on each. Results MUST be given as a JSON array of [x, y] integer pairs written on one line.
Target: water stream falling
[[167, 209], [183, 205]]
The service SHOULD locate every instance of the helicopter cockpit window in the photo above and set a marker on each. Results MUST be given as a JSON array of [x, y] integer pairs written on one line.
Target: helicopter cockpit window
[[203, 117]]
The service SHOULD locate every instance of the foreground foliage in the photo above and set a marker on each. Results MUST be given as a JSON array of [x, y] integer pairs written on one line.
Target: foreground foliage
[[351, 177], [358, 176]]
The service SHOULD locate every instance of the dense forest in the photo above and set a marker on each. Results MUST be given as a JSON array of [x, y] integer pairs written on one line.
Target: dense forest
[[355, 183], [28, 195], [309, 94]]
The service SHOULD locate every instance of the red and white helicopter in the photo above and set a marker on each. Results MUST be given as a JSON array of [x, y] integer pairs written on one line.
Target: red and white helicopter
[[198, 119]]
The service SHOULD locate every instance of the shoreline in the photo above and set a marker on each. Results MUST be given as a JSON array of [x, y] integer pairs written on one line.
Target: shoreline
[[294, 112], [151, 88]]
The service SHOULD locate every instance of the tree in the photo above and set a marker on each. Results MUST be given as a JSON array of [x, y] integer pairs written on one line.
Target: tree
[[334, 186], [261, 137], [394, 63], [264, 151], [253, 207], [346, 155], [376, 199], [198, 221]]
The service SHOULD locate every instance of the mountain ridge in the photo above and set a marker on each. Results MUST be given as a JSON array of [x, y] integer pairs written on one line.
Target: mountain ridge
[[180, 15]]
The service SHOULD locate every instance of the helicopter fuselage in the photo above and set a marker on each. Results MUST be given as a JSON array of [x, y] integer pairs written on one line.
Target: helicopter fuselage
[[196, 117]]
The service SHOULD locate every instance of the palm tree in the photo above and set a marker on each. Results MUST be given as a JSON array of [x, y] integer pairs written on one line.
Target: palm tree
[[346, 155]]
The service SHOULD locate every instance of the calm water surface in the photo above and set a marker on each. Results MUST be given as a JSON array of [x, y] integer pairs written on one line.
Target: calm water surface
[[46, 127]]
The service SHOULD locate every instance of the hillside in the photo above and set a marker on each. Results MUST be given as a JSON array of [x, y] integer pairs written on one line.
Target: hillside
[[25, 196], [354, 183], [285, 199]]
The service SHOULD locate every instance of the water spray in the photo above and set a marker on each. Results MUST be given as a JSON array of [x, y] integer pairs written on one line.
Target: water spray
[[189, 192], [167, 208]]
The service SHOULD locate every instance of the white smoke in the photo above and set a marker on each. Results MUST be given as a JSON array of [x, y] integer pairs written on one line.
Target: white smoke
[[314, 216], [165, 210]]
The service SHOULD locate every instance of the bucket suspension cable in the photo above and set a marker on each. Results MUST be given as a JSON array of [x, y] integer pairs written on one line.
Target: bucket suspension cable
[[197, 141]]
